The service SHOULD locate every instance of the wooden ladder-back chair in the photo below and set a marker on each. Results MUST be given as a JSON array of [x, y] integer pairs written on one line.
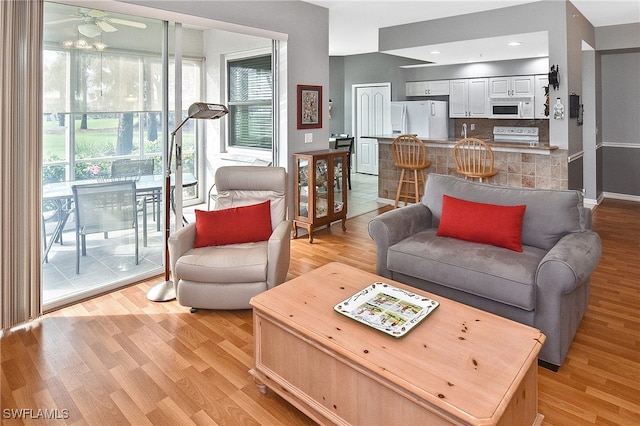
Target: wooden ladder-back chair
[[474, 159], [410, 155]]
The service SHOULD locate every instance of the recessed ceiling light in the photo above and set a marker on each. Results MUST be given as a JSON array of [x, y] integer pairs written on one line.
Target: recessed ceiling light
[[514, 43], [434, 52]]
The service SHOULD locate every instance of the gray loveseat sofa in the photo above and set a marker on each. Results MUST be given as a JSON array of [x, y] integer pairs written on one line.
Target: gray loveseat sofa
[[545, 286]]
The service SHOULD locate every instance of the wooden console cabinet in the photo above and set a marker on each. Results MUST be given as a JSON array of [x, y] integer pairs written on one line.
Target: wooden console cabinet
[[320, 189]]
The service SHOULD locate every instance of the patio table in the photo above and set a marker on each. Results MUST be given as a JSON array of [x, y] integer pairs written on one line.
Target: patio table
[[61, 193]]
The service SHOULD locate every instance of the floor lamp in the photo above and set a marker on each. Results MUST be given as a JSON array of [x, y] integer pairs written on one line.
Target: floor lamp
[[165, 291]]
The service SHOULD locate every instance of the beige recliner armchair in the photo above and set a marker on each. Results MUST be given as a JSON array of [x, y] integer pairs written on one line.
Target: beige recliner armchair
[[228, 276]]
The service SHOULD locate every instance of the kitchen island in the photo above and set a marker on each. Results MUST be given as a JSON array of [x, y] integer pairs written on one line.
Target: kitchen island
[[538, 165]]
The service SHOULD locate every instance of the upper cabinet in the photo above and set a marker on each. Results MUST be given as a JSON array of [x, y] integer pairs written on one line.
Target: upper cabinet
[[427, 88], [508, 87], [469, 98]]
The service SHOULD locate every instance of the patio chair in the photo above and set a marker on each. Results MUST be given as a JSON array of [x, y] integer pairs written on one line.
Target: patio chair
[[103, 208], [132, 170]]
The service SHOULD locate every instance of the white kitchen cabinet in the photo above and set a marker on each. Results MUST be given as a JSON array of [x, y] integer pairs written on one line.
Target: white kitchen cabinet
[[469, 98], [540, 98], [511, 87], [427, 88]]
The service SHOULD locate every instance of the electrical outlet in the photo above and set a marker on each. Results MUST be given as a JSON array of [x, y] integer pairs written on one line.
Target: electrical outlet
[[308, 137], [473, 126]]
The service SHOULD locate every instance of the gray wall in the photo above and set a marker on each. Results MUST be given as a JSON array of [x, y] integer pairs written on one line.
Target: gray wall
[[621, 123], [620, 98], [487, 69], [337, 94], [371, 68]]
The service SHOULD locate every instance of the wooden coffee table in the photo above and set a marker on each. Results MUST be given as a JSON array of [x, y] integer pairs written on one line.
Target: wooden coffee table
[[459, 366]]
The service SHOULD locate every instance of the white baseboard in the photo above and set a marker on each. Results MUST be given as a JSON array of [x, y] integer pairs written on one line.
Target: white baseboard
[[590, 203], [386, 201], [625, 197]]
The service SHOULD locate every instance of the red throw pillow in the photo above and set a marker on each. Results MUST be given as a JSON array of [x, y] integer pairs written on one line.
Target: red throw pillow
[[482, 223], [236, 225]]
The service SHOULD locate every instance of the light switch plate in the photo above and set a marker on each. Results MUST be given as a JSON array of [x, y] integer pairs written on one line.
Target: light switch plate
[[308, 137]]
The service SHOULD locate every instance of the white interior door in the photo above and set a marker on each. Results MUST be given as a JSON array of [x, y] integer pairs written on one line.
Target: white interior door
[[372, 117]]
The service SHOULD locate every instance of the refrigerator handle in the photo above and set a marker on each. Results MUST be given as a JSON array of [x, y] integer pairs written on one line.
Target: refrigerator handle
[[405, 125], [433, 109]]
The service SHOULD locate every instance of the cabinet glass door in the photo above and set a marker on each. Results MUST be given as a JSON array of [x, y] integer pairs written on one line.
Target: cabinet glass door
[[303, 187], [338, 170], [322, 177]]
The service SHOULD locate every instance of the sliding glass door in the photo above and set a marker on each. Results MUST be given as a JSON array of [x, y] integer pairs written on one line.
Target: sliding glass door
[[102, 102], [104, 97]]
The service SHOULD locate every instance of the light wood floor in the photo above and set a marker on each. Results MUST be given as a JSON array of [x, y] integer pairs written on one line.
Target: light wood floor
[[120, 359]]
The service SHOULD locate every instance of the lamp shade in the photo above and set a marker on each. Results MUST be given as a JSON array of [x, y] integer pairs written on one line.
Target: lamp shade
[[89, 29], [207, 111]]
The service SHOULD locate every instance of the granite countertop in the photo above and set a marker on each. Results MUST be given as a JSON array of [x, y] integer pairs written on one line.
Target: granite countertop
[[541, 146]]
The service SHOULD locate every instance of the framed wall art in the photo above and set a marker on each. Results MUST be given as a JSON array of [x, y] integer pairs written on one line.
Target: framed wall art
[[309, 107]]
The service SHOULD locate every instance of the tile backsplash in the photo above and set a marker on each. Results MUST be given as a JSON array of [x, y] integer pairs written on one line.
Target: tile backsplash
[[484, 127]]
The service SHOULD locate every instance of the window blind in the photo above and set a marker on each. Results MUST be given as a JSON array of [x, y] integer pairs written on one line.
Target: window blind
[[250, 102]]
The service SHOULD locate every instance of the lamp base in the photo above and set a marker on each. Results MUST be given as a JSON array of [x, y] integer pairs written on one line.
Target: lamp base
[[162, 292]]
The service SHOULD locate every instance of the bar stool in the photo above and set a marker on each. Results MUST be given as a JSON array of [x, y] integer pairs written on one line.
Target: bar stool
[[410, 155], [474, 159]]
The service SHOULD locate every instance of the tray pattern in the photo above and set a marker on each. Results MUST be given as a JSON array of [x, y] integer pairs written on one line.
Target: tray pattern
[[390, 309]]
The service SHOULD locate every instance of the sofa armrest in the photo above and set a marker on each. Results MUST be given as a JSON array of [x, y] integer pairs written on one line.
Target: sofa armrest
[[279, 254], [562, 286], [179, 243], [570, 262], [394, 226]]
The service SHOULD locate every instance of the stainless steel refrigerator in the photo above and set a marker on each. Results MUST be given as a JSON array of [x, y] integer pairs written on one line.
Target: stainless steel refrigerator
[[427, 119]]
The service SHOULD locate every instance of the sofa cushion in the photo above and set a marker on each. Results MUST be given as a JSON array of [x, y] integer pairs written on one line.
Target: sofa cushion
[[492, 272], [482, 223], [234, 225], [550, 213], [237, 263]]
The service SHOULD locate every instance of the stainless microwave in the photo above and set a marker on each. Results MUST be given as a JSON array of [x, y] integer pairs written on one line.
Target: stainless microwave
[[512, 108]]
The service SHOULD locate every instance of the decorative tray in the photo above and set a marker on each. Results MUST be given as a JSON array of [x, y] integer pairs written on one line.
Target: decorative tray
[[392, 310]]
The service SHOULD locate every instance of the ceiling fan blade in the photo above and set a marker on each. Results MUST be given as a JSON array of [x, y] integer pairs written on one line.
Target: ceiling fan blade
[[95, 13], [60, 21], [128, 23], [105, 26]]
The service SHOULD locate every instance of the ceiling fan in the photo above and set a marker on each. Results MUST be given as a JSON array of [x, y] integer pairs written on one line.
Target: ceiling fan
[[95, 21]]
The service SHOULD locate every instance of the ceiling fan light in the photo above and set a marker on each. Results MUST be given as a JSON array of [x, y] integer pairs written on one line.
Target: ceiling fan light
[[81, 44], [89, 30]]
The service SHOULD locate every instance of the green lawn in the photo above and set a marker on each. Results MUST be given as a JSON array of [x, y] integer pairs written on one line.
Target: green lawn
[[97, 142]]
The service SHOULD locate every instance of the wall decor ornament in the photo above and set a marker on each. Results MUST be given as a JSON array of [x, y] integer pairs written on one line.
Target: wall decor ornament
[[309, 107], [558, 110], [554, 78]]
